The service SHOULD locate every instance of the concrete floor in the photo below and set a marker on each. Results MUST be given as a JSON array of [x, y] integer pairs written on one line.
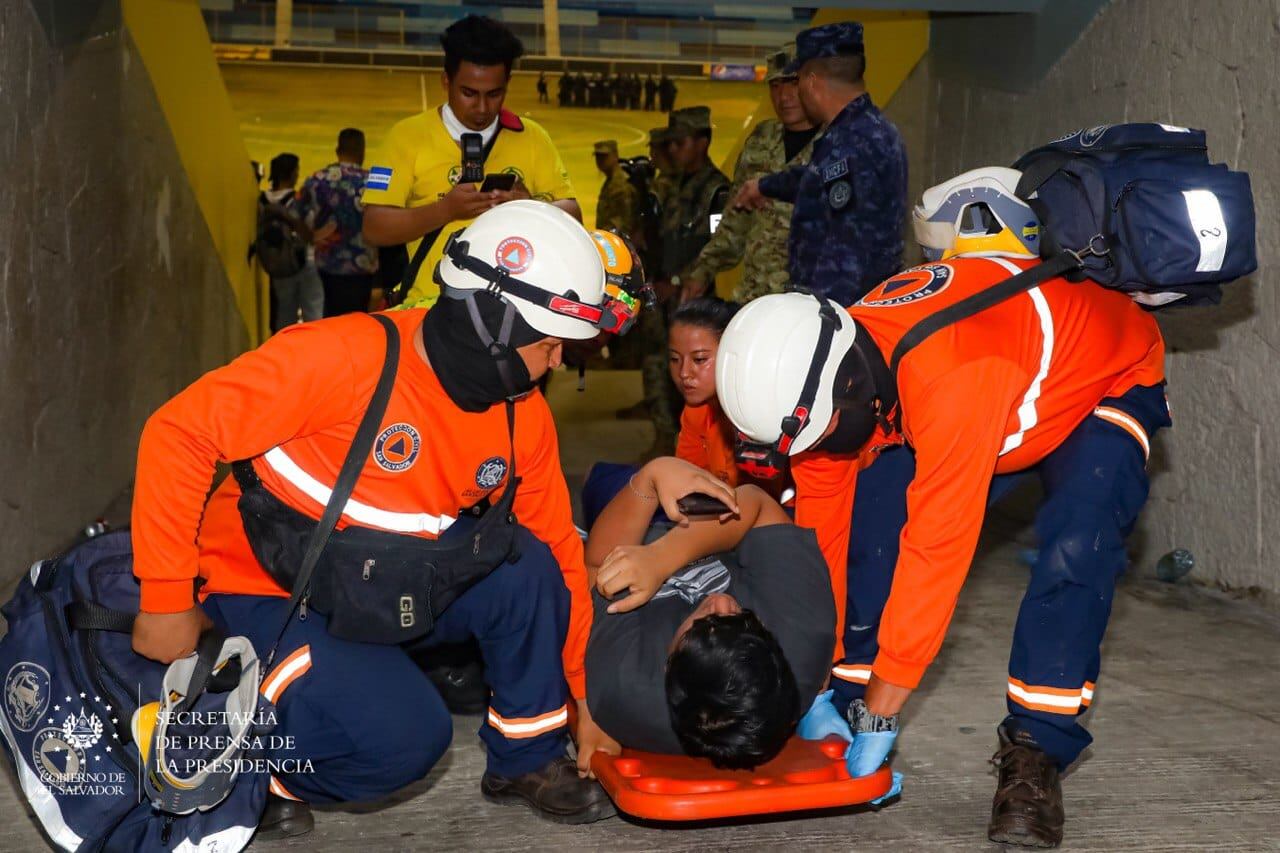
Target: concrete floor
[[1185, 756]]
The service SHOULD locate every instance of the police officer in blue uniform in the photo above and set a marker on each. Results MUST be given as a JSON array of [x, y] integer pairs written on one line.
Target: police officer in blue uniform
[[851, 199]]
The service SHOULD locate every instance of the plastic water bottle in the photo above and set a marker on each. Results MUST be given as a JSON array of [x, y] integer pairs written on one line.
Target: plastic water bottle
[[97, 528], [1174, 565]]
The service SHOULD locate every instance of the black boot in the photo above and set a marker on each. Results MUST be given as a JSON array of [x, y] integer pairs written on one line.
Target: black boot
[[554, 792], [1027, 810], [284, 819]]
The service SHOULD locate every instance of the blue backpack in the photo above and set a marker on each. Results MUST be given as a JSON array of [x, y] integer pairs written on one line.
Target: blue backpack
[[72, 684], [1144, 210], [1134, 207]]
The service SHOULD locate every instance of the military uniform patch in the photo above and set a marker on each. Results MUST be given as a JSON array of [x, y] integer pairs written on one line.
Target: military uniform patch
[[838, 169], [839, 195]]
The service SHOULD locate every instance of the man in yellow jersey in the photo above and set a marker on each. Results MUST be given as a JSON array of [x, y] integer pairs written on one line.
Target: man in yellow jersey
[[415, 192]]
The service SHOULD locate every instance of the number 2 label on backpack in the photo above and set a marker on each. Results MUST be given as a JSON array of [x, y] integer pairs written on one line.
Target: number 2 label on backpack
[[1209, 228]]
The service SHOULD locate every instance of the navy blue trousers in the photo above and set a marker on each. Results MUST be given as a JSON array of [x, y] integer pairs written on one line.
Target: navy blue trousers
[[1095, 483], [368, 720]]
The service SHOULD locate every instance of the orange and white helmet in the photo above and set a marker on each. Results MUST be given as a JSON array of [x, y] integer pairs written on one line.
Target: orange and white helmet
[[536, 258]]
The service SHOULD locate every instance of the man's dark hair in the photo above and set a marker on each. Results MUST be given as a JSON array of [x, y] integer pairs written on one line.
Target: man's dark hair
[[282, 166], [731, 694], [846, 68], [479, 40], [351, 139]]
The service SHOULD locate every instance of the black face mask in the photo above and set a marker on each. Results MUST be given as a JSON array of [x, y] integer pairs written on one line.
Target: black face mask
[[467, 369], [865, 395]]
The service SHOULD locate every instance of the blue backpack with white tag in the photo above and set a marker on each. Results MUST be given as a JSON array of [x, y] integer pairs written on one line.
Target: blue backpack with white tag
[[1142, 210], [72, 713]]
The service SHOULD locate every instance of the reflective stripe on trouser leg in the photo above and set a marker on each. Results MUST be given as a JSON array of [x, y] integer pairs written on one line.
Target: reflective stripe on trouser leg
[[519, 614], [355, 721], [1095, 484], [879, 512]]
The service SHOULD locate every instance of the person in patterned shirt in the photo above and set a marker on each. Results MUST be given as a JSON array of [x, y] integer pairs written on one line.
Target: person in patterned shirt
[[348, 267], [758, 239]]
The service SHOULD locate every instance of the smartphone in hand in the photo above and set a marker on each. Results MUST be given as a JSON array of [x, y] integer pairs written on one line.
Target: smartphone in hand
[[495, 181], [697, 505]]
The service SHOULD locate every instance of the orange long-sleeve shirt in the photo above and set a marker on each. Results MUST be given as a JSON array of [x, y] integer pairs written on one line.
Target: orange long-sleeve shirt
[[706, 440], [992, 394], [293, 406]]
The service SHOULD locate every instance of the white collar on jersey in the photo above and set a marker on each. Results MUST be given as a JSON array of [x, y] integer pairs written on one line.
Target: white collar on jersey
[[456, 128]]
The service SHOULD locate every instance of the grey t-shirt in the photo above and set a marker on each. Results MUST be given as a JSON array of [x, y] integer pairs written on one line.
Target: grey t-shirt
[[777, 571]]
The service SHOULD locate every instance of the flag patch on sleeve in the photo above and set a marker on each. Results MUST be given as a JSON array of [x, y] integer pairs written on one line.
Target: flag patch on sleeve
[[379, 178]]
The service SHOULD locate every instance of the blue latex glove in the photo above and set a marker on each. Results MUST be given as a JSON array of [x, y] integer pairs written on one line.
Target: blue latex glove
[[823, 719], [894, 790], [867, 753]]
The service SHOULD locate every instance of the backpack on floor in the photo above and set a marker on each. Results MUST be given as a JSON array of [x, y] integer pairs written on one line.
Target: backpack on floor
[[1144, 210], [72, 685]]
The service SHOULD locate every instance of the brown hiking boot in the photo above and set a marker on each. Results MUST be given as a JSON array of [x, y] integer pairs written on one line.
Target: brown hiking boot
[[1027, 810], [554, 792]]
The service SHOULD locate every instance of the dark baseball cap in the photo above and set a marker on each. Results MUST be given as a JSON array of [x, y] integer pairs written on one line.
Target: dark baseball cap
[[839, 39]]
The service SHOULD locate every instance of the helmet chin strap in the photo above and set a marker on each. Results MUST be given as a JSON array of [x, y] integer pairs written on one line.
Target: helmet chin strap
[[500, 347]]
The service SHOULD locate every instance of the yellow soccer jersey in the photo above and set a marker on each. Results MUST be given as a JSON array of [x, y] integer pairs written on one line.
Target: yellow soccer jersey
[[420, 163]]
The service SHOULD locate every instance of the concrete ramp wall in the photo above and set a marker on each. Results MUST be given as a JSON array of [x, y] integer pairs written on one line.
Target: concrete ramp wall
[[113, 292], [1203, 65]]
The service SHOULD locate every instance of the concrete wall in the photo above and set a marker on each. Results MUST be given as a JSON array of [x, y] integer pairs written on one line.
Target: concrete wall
[[112, 296], [1207, 65]]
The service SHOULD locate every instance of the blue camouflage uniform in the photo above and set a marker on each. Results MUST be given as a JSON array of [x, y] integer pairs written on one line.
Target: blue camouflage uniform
[[851, 199]]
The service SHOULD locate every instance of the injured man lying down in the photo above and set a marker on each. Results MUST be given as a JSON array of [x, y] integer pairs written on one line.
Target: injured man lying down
[[712, 634]]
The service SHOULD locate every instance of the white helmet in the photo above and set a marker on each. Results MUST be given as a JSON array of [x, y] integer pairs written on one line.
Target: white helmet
[[769, 354], [977, 214], [538, 259]]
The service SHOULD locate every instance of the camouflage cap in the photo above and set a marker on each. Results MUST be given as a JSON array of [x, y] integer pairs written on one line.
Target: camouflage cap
[[777, 63], [659, 136], [688, 121], [606, 146], [840, 39]]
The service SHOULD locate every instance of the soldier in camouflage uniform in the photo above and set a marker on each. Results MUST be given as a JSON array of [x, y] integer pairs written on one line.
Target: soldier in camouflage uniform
[[851, 200], [698, 193], [758, 239], [619, 203]]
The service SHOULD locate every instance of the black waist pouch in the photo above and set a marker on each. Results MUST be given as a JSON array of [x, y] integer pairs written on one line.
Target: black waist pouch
[[376, 586]]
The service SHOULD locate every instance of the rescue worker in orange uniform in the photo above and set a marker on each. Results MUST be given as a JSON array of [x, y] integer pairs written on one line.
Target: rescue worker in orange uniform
[[517, 282], [1065, 380]]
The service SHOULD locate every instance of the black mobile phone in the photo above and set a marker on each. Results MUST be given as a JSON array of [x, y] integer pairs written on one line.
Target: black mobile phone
[[699, 504], [495, 181], [472, 158]]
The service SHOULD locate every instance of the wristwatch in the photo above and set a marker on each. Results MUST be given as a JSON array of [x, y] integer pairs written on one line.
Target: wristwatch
[[863, 721]]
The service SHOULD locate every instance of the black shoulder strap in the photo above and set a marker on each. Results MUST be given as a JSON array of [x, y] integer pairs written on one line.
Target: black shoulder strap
[[429, 240], [361, 445], [1055, 266], [1044, 164]]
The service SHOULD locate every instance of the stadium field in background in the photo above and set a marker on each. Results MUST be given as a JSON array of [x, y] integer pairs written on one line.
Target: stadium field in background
[[301, 110]]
